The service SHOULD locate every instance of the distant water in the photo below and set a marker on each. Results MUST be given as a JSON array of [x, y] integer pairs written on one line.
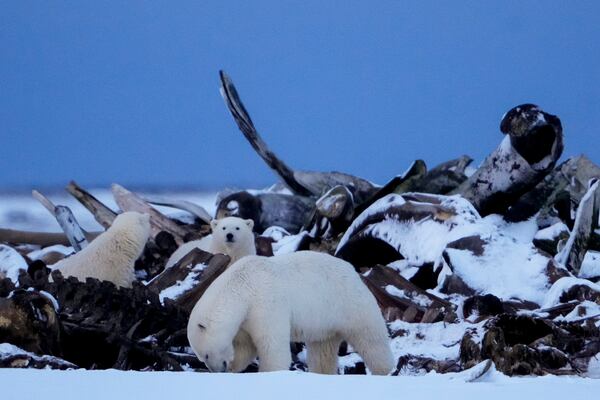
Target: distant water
[[21, 211]]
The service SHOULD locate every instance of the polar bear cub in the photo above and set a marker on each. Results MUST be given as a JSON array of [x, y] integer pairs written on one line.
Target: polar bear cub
[[261, 304], [111, 256], [232, 236]]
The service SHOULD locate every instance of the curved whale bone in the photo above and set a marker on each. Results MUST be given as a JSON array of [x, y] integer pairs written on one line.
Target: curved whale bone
[[305, 183]]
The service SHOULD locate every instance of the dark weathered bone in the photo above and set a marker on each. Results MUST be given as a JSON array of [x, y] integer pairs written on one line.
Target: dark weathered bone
[[586, 221], [399, 184], [526, 345], [291, 212], [66, 220], [337, 206], [102, 214], [407, 301], [552, 197], [533, 144], [443, 178], [29, 321]]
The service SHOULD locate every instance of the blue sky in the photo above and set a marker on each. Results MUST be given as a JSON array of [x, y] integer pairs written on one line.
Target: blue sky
[[127, 92]]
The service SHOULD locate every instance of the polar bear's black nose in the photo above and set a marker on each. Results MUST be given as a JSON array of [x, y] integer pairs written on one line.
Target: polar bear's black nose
[[229, 237]]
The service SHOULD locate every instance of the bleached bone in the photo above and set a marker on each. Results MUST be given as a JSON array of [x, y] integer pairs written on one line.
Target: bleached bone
[[67, 221], [184, 205]]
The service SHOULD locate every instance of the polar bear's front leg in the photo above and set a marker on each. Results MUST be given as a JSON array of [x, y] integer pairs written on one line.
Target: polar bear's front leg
[[244, 351], [322, 357], [272, 341]]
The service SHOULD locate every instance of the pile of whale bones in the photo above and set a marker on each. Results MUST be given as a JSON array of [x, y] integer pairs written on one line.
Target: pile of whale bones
[[471, 267]]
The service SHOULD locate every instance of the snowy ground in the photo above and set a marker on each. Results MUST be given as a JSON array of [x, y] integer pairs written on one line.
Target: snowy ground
[[112, 384]]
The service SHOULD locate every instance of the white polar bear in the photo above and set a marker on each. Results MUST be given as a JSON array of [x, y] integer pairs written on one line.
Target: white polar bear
[[232, 236], [261, 304], [111, 256]]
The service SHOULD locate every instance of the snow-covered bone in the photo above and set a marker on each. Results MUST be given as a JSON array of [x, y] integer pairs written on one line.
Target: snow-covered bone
[[530, 149]]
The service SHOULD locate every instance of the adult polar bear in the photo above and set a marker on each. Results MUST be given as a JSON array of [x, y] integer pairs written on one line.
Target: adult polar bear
[[232, 236], [111, 256], [261, 304]]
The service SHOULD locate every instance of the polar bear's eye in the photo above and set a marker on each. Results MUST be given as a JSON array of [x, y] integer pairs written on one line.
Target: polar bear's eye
[[223, 228], [237, 229], [201, 326]]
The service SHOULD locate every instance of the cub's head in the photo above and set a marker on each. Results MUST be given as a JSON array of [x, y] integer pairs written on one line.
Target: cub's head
[[210, 347], [232, 231]]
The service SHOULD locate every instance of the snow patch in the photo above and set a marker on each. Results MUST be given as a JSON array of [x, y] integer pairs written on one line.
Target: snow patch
[[551, 232], [438, 340], [418, 299], [11, 263], [58, 248], [590, 268], [552, 298]]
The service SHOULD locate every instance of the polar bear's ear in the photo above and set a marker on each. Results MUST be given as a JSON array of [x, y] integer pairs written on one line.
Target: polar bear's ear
[[213, 224], [250, 223]]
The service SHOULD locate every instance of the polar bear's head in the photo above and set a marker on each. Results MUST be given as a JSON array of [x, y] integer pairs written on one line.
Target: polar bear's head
[[132, 228], [233, 232], [211, 347], [132, 219]]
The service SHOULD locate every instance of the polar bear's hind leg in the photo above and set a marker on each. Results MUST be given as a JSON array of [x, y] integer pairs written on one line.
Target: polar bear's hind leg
[[322, 357], [374, 351]]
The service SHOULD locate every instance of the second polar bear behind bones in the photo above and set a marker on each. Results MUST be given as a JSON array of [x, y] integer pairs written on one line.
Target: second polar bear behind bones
[[231, 236]]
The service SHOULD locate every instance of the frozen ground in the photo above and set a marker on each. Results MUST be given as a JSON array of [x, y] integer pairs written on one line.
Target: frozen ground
[[112, 384]]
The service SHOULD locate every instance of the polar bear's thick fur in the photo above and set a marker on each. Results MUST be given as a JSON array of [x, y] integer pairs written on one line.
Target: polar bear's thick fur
[[261, 304], [232, 236], [111, 256]]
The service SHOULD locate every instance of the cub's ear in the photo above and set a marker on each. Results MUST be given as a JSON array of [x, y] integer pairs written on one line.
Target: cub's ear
[[250, 223], [201, 326], [213, 224]]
